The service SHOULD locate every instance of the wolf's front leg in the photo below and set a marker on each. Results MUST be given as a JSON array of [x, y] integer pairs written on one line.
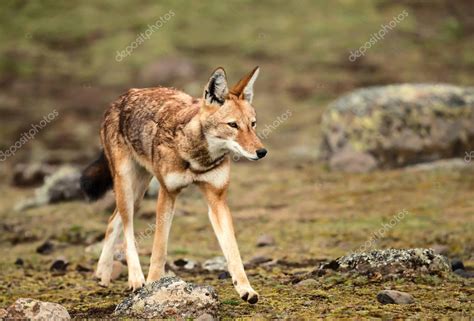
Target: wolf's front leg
[[221, 221], [164, 217]]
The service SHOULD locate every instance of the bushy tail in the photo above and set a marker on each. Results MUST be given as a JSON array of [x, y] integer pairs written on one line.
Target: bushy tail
[[96, 179]]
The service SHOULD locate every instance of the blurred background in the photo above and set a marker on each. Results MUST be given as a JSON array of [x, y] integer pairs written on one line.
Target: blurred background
[[63, 62]]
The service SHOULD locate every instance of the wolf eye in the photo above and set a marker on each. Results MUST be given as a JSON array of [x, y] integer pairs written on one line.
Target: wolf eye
[[254, 123], [233, 124]]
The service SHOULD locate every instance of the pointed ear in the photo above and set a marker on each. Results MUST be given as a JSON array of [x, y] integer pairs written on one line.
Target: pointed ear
[[216, 90], [244, 88]]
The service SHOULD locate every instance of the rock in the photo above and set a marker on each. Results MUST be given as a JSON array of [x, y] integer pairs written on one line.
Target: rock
[[265, 240], [170, 297], [307, 283], [464, 274], [351, 161], [84, 268], [399, 125], [61, 186], [257, 260], [394, 297], [392, 262], [3, 313], [31, 309], [186, 264], [59, 265], [27, 175], [224, 275], [205, 317], [445, 164], [117, 270], [440, 249], [456, 264], [217, 263], [46, 248]]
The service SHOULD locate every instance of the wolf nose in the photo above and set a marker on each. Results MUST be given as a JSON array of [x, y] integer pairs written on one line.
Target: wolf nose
[[261, 152]]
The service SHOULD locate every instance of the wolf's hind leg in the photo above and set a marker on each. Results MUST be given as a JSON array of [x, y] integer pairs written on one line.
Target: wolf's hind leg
[[112, 234], [130, 183]]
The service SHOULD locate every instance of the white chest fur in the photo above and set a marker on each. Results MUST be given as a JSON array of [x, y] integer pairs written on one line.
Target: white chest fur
[[217, 177]]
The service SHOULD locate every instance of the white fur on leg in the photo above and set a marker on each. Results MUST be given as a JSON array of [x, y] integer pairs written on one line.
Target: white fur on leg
[[104, 267], [136, 279]]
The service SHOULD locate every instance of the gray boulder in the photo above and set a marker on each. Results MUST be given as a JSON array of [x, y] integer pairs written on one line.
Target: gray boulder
[[30, 309], [399, 125], [63, 185], [393, 262], [170, 297]]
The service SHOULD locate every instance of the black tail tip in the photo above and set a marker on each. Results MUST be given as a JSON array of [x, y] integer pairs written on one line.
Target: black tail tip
[[96, 179]]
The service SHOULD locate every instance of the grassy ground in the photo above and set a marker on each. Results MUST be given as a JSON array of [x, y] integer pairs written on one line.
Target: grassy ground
[[61, 55]]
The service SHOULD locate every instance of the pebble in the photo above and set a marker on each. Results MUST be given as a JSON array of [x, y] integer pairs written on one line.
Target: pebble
[[394, 297], [456, 264], [265, 240], [224, 275], [59, 265], [217, 263], [30, 309], [307, 283], [464, 273], [46, 248], [117, 270]]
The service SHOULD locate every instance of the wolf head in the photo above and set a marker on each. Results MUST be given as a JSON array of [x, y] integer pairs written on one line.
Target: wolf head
[[228, 118]]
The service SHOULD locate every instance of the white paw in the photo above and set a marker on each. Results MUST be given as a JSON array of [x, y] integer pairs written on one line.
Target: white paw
[[136, 279], [247, 294], [103, 273]]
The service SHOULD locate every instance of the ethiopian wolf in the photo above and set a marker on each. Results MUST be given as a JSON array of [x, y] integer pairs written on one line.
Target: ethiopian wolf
[[181, 140]]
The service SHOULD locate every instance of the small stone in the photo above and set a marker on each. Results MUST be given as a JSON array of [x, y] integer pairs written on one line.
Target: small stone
[[257, 260], [170, 298], [456, 264], [46, 248], [117, 270], [59, 265], [464, 273], [217, 263], [3, 313], [440, 249], [265, 240], [224, 275], [84, 268], [185, 263], [205, 317], [394, 297], [307, 283], [19, 262], [30, 309]]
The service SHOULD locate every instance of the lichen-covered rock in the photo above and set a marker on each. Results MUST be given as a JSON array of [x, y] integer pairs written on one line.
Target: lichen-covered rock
[[402, 124], [170, 297], [392, 262], [63, 185], [217, 263], [30, 309]]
